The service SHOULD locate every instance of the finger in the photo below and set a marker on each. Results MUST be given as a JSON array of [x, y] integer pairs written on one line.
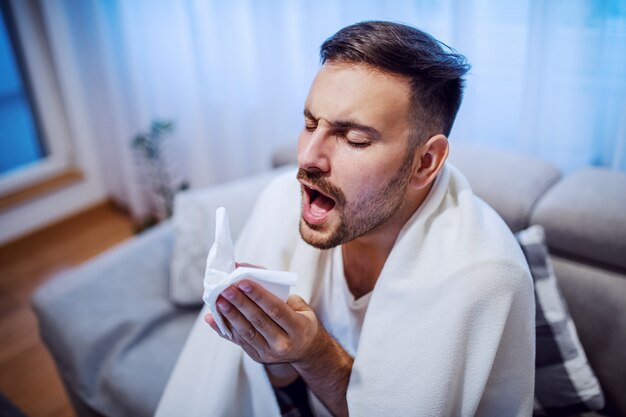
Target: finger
[[213, 324], [247, 347], [239, 324], [250, 350], [297, 303], [270, 330], [275, 308]]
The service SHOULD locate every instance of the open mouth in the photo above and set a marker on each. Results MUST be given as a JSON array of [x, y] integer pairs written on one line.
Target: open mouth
[[316, 206]]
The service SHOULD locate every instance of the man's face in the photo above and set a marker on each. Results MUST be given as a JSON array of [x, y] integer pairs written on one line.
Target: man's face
[[353, 153]]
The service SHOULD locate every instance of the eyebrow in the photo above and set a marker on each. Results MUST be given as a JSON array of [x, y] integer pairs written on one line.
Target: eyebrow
[[348, 125]]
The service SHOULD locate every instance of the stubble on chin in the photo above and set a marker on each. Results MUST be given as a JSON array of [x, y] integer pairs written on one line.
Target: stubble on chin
[[315, 235]]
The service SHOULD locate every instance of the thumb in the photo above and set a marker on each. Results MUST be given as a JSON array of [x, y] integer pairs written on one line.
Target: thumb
[[297, 303], [247, 265]]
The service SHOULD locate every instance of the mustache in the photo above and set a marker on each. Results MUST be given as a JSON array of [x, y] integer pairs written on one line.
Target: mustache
[[323, 185]]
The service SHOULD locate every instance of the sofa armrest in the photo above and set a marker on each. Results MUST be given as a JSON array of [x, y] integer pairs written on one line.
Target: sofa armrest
[[111, 328]]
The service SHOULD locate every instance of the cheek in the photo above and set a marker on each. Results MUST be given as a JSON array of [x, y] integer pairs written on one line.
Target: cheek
[[362, 177], [358, 183], [361, 168]]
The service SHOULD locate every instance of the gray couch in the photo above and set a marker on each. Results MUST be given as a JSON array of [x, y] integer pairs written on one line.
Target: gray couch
[[115, 335]]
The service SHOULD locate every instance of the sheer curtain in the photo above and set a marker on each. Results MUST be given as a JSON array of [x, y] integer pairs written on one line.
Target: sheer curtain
[[548, 78]]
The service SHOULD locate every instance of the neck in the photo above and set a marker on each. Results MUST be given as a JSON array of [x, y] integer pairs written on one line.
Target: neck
[[365, 256]]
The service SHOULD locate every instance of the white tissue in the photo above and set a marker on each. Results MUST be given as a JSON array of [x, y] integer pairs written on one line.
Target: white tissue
[[221, 272]]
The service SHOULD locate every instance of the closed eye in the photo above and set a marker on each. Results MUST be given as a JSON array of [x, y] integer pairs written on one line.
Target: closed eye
[[354, 140], [358, 144]]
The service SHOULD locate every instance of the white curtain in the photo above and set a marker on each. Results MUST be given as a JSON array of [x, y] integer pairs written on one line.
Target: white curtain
[[548, 77]]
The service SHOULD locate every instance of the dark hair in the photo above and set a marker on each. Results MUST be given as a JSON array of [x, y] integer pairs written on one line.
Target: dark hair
[[434, 69]]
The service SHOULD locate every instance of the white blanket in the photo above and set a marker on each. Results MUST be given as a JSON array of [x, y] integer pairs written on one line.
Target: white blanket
[[449, 329]]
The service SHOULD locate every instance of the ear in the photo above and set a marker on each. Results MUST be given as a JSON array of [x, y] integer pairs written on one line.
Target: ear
[[428, 161]]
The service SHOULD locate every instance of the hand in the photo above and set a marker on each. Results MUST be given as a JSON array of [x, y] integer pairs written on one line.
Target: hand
[[283, 335], [269, 330]]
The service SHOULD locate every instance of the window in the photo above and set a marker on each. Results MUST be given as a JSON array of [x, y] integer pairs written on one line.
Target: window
[[35, 150], [20, 136]]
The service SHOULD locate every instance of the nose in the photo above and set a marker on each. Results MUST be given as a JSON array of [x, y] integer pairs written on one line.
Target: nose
[[313, 152]]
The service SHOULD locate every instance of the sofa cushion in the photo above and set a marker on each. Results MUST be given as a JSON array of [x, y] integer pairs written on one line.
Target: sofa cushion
[[584, 215], [111, 328], [194, 222], [510, 183], [596, 298], [564, 382]]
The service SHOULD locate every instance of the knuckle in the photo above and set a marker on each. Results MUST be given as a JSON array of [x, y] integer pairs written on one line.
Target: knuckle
[[275, 312], [247, 333], [282, 348], [259, 321], [256, 296]]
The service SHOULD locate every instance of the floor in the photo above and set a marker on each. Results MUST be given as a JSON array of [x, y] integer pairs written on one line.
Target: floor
[[28, 376]]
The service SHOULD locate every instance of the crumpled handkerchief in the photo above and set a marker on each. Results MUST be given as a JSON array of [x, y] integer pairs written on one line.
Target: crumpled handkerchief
[[221, 271]]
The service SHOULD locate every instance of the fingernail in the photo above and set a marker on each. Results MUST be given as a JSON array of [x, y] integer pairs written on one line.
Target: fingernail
[[228, 293], [223, 306], [245, 286]]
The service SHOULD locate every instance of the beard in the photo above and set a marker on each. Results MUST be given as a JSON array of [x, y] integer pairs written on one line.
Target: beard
[[370, 211]]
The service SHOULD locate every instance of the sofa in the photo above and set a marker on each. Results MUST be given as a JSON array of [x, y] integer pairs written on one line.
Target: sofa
[[115, 334]]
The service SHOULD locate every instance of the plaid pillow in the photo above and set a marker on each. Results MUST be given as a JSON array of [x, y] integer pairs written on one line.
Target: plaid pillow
[[564, 382], [194, 223]]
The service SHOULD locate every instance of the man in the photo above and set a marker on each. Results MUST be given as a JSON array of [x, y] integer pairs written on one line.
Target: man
[[413, 297]]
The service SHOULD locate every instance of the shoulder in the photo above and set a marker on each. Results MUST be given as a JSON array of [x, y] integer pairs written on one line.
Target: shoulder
[[476, 242], [282, 192]]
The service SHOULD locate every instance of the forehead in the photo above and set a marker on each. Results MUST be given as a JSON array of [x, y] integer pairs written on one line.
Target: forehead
[[360, 93]]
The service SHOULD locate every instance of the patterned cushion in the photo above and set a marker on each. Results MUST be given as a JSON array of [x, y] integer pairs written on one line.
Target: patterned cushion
[[564, 382], [194, 223]]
